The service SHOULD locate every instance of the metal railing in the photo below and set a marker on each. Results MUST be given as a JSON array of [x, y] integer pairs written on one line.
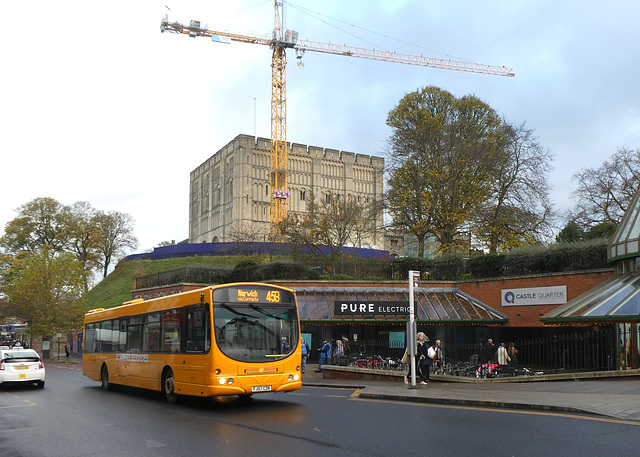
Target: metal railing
[[577, 350]]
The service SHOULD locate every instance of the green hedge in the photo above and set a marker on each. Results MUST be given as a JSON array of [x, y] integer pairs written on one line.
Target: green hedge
[[525, 261]]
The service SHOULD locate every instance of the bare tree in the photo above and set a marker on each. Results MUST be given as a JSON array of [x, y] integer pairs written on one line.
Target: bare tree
[[603, 194], [330, 226], [243, 235], [518, 211]]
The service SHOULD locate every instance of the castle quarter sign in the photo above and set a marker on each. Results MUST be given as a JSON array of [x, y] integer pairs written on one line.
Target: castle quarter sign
[[371, 308]]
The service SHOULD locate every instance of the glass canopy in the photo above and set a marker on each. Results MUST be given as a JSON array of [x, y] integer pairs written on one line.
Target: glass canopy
[[615, 300], [446, 305], [625, 240]]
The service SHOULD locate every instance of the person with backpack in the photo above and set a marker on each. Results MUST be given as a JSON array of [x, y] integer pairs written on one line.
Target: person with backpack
[[325, 353]]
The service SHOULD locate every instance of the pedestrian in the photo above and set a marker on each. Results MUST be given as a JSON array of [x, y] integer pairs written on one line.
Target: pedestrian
[[346, 346], [339, 352], [503, 356], [325, 353], [490, 351], [421, 354], [305, 353], [427, 360], [67, 349], [513, 356], [437, 361]]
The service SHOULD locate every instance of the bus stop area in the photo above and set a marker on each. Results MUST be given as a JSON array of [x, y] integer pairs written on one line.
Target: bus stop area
[[612, 394]]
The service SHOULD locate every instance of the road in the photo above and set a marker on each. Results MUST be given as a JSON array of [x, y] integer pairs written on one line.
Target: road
[[73, 416]]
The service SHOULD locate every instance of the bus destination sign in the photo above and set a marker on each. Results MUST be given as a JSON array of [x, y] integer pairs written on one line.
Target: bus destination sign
[[253, 296]]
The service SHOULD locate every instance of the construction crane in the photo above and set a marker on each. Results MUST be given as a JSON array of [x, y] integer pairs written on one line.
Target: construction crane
[[279, 43]]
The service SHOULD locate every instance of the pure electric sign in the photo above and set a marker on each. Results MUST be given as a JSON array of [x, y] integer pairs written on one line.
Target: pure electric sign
[[554, 295], [371, 308]]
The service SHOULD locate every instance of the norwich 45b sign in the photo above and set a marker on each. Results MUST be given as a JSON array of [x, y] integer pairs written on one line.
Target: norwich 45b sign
[[371, 308]]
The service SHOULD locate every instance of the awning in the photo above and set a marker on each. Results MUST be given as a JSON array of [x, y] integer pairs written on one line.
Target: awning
[[615, 300], [432, 305]]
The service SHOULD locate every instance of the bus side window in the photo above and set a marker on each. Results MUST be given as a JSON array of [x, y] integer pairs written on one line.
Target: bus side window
[[122, 334], [134, 334], [151, 333], [198, 330], [90, 339], [170, 331]]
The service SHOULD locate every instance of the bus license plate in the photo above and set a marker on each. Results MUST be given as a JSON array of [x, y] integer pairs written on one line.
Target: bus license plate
[[260, 388]]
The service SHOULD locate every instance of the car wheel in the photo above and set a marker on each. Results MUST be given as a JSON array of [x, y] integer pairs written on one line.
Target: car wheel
[[105, 378], [169, 386], [39, 384]]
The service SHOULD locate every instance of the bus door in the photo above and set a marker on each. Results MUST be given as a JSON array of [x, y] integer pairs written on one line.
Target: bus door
[[197, 342], [130, 348]]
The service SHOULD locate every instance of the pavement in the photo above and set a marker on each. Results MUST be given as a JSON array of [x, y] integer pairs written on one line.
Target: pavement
[[614, 394]]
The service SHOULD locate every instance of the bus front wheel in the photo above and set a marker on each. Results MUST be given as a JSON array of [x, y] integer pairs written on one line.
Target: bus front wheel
[[169, 386]]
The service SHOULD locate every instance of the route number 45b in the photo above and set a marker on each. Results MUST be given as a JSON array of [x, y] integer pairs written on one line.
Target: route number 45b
[[273, 296]]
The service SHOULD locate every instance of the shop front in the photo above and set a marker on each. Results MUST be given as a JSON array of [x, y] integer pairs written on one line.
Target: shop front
[[374, 319]]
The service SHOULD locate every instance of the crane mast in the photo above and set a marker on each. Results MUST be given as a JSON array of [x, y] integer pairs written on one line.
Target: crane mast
[[280, 42], [279, 193]]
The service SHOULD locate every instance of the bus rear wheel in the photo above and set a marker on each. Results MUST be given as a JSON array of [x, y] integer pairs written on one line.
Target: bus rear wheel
[[169, 386], [104, 375]]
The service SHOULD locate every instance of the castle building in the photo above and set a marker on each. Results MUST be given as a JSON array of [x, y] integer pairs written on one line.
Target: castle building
[[230, 192]]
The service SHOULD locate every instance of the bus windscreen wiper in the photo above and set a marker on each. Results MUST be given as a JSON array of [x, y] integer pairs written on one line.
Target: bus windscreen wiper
[[260, 310]]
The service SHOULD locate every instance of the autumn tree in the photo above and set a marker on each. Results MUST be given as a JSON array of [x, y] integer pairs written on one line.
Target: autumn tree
[[82, 234], [40, 222], [408, 200], [93, 236], [114, 235], [603, 194], [48, 286], [444, 151]]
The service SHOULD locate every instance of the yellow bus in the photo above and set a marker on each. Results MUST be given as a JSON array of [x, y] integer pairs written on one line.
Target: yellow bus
[[231, 339]]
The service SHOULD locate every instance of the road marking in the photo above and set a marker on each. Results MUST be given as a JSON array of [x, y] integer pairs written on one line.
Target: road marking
[[18, 397], [18, 406], [506, 411]]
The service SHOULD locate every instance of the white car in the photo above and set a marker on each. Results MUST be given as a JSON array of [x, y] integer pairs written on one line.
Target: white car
[[21, 365]]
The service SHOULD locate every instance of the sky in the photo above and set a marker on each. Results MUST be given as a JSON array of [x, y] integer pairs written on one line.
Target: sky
[[97, 105]]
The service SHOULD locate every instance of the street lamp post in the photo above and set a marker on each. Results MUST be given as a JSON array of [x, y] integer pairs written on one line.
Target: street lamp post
[[414, 281]]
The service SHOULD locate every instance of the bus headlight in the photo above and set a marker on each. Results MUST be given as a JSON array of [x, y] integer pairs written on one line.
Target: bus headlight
[[230, 381], [290, 378], [296, 377], [222, 381]]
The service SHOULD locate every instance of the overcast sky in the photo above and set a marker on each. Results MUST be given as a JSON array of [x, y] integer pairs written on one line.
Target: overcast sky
[[97, 105]]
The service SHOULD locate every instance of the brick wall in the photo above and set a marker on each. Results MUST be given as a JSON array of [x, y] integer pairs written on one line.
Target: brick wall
[[488, 291]]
